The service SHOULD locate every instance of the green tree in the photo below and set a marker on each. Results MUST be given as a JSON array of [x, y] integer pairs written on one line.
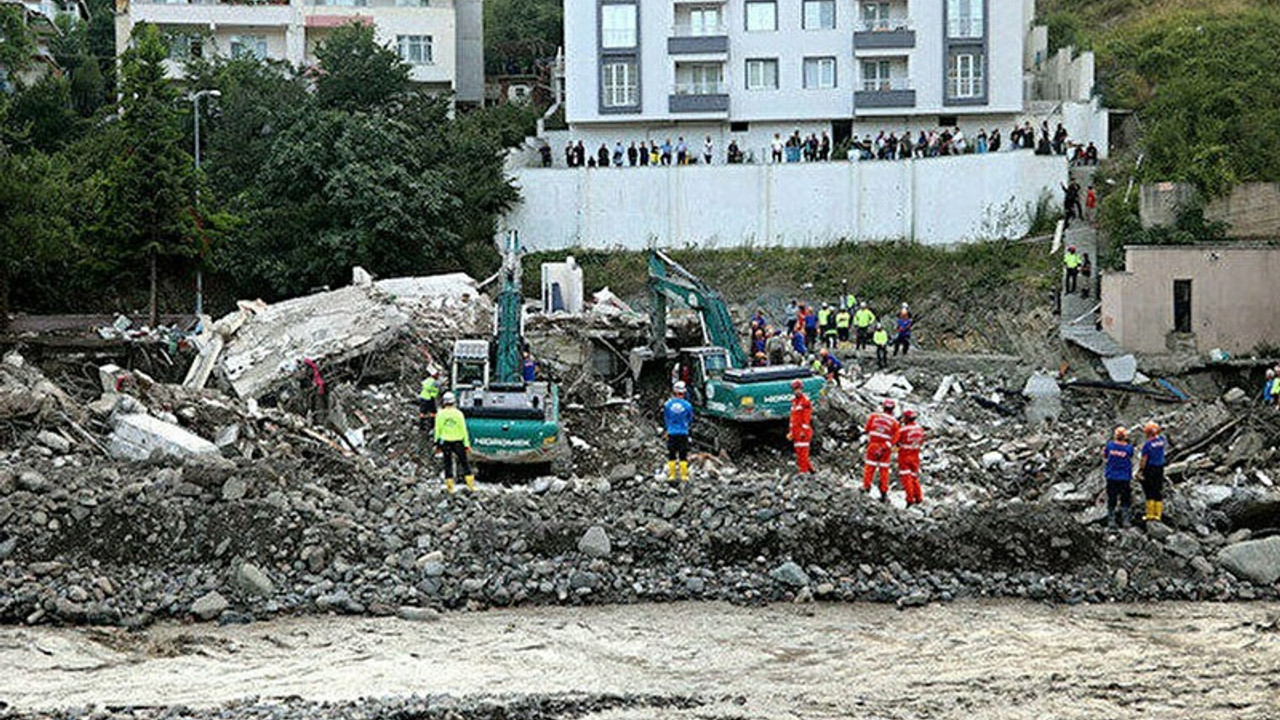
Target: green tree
[[41, 114], [356, 73], [520, 32], [149, 183], [16, 43], [34, 229]]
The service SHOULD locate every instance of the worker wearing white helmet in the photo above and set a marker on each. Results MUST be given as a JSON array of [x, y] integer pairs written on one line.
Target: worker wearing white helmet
[[453, 442], [677, 415]]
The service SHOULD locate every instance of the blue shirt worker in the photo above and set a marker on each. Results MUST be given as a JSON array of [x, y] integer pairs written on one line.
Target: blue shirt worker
[[1119, 474], [528, 368], [1152, 469], [797, 342], [677, 415]]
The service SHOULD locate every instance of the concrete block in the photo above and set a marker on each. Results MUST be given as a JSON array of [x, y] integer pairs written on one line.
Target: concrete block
[[137, 437]]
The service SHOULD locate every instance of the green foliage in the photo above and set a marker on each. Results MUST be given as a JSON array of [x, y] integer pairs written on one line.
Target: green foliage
[[34, 190], [1066, 29], [1123, 227], [1205, 88], [356, 72], [520, 32], [16, 43], [42, 116]]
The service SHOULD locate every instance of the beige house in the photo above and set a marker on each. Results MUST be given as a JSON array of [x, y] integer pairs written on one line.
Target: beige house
[[1194, 297]]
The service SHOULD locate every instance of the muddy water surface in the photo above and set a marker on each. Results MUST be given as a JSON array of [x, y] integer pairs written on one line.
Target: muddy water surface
[[964, 660]]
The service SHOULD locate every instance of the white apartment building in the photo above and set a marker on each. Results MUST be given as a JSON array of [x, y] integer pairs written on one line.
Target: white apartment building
[[747, 69], [442, 40], [40, 18]]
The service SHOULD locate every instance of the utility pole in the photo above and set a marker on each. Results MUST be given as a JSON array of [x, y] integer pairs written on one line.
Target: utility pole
[[195, 101]]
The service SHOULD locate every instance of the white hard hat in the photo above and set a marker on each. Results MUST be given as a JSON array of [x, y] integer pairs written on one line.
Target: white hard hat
[[679, 387], [448, 398]]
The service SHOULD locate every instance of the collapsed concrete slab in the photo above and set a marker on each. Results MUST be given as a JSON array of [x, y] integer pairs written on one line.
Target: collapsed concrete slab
[[334, 326], [138, 436], [1255, 560], [1122, 369]]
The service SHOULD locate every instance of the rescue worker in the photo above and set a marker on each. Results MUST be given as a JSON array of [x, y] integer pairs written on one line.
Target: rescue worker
[[528, 368], [881, 431], [758, 323], [427, 397], [880, 338], [862, 322], [815, 364], [903, 339], [826, 319], [798, 345], [831, 366], [850, 300], [454, 443], [844, 320], [757, 342], [775, 347], [800, 432], [1071, 261], [677, 415], [909, 441], [1152, 468], [810, 327], [1268, 388], [1119, 474]]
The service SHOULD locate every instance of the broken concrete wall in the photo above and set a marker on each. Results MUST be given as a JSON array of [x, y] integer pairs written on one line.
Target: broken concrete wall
[[138, 437]]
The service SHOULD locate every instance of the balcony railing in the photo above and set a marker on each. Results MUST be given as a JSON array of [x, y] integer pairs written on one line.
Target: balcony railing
[[699, 30], [885, 84], [212, 2], [700, 88], [964, 28], [883, 25]]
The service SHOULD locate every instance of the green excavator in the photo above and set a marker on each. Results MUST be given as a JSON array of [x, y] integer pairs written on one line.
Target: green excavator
[[734, 398], [511, 421]]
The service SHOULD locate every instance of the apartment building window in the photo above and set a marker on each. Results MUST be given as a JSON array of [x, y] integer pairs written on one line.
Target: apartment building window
[[819, 73], [964, 75], [700, 79], [411, 3], [415, 49], [184, 46], [819, 14], [249, 46], [705, 21], [618, 25], [877, 75], [762, 74], [964, 18], [762, 15], [620, 85], [875, 16]]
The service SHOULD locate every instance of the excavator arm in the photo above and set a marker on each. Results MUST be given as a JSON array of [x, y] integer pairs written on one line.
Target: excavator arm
[[509, 315], [668, 281]]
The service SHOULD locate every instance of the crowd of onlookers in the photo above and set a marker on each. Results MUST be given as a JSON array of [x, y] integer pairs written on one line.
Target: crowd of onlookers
[[818, 147]]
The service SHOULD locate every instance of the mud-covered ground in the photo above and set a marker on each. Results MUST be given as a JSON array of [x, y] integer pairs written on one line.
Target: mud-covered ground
[[686, 660]]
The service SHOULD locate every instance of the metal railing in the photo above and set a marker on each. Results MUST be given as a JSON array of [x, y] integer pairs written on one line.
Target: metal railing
[[700, 88], [700, 30], [884, 84], [883, 25]]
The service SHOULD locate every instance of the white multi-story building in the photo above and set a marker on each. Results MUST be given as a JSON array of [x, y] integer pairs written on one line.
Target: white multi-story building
[[442, 40], [41, 20], [752, 68]]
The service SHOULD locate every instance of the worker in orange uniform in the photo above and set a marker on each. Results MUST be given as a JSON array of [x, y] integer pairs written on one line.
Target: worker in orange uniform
[[910, 440], [801, 431], [881, 431]]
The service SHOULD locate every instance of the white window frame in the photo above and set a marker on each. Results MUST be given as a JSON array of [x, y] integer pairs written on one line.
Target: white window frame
[[819, 73], [700, 79], [818, 24], [965, 75], [416, 49], [255, 45], [964, 18], [876, 16], [705, 21], [877, 75], [619, 26], [620, 84], [759, 5], [758, 74]]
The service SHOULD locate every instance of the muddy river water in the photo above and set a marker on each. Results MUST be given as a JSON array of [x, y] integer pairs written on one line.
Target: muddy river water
[[963, 660]]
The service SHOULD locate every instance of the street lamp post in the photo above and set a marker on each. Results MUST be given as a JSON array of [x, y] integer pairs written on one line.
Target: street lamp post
[[195, 101]]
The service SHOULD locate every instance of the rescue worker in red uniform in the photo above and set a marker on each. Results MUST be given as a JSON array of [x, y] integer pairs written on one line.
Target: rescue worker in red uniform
[[801, 430], [910, 440], [881, 431]]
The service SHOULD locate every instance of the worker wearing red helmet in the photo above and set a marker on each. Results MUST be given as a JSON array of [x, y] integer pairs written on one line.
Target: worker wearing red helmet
[[881, 431], [800, 432], [910, 440]]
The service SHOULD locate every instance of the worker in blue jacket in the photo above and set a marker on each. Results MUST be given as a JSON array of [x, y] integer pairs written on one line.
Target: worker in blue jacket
[[677, 415], [1118, 455]]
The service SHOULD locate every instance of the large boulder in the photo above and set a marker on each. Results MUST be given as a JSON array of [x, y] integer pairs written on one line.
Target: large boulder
[[595, 543], [1254, 560]]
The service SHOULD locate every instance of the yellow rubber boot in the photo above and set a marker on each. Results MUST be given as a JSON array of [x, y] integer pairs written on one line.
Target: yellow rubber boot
[[448, 485], [1159, 510], [471, 483], [1150, 514], [671, 469], [684, 470]]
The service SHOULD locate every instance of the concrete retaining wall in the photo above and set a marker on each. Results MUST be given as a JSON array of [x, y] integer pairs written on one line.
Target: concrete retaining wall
[[1251, 209], [938, 201]]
